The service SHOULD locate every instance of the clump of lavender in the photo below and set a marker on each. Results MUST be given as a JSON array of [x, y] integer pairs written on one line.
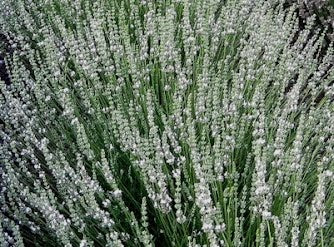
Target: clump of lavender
[[165, 123]]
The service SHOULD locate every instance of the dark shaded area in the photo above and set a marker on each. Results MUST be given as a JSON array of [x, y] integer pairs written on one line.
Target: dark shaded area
[[3, 71], [4, 45]]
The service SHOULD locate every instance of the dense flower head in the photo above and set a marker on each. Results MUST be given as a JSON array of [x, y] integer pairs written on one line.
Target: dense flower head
[[165, 123]]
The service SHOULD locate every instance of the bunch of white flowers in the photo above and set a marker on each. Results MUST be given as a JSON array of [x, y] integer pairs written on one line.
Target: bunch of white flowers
[[165, 123]]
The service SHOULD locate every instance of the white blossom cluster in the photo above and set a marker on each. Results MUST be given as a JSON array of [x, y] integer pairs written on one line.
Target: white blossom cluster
[[165, 123]]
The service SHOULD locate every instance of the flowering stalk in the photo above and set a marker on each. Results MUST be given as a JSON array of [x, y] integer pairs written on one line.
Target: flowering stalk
[[165, 123]]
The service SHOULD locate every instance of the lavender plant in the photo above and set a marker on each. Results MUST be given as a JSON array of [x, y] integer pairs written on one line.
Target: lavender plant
[[165, 123]]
